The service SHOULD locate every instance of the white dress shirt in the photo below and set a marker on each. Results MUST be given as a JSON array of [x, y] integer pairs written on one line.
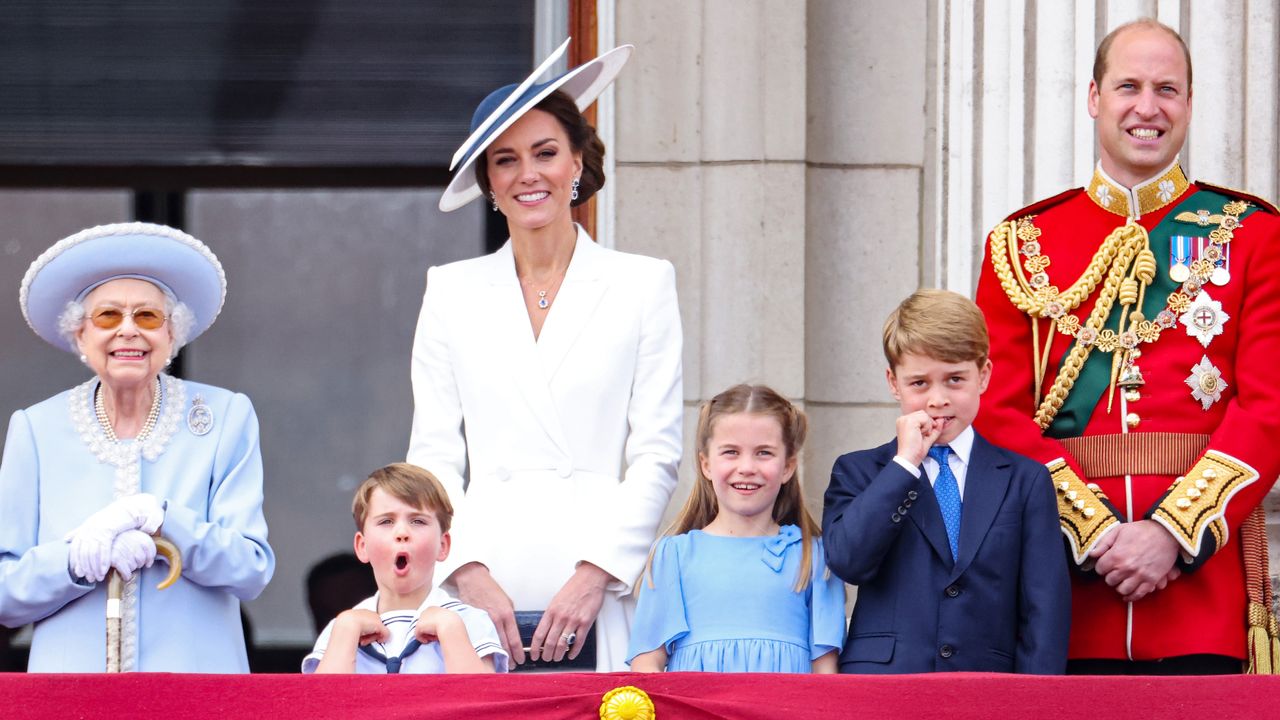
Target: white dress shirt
[[961, 449]]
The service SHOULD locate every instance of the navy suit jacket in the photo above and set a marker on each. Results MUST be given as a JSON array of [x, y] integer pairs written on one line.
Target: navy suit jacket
[[1003, 606]]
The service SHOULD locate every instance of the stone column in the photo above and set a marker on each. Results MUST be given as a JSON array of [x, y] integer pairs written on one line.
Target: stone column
[[710, 175], [866, 151]]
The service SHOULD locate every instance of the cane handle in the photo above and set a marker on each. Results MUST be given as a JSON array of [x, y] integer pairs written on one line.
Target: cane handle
[[169, 552]]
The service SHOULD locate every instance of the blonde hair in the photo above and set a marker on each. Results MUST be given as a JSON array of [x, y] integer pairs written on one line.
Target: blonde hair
[[937, 324], [788, 508], [409, 484]]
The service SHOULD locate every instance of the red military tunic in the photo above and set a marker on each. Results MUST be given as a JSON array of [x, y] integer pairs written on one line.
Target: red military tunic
[[1195, 448]]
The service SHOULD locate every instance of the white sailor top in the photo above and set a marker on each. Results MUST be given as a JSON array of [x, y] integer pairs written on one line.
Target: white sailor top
[[402, 653]]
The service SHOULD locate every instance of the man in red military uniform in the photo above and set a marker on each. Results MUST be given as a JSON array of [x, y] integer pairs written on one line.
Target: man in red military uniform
[[1134, 324]]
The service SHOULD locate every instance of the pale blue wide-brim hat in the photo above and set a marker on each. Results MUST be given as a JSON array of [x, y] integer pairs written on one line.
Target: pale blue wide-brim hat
[[171, 259], [504, 106]]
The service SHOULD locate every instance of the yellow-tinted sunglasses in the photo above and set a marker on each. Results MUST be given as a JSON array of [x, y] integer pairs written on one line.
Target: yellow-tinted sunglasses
[[144, 318]]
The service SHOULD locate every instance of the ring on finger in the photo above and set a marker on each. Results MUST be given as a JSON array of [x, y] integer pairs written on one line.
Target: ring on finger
[[569, 638]]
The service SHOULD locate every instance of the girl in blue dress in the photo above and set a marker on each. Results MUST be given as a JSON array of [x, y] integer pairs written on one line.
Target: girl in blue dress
[[740, 583]]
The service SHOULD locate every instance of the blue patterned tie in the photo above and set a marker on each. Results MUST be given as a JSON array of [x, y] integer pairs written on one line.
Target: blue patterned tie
[[947, 491]]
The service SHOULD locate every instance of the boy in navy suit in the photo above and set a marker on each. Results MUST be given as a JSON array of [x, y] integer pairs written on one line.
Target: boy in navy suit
[[953, 542]]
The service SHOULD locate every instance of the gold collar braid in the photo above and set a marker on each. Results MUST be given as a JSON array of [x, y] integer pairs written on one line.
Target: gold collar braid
[[1146, 197]]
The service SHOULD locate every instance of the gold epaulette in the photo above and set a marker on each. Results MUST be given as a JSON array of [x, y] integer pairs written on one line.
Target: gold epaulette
[[1040, 206], [1196, 503], [1083, 510], [1233, 192]]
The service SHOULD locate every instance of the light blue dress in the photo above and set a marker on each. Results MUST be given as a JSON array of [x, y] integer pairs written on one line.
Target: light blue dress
[[728, 604], [204, 465]]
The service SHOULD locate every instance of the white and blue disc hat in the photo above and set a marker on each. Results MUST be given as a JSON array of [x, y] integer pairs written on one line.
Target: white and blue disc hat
[[504, 106], [171, 259]]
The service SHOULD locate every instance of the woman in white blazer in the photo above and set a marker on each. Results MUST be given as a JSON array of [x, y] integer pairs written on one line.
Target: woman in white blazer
[[548, 376]]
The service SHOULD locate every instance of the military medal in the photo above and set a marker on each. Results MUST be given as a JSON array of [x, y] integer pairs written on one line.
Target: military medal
[[1204, 319], [1206, 383], [1179, 258], [199, 417], [1220, 256]]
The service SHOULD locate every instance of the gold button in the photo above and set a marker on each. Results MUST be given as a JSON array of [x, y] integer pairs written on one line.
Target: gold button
[[1093, 486], [1062, 486], [1132, 395], [1078, 505], [1193, 493], [1132, 420], [1183, 503], [1071, 495], [1088, 512], [1201, 484], [1209, 473]]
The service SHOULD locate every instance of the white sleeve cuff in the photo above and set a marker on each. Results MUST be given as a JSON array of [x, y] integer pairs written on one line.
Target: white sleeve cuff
[[906, 465]]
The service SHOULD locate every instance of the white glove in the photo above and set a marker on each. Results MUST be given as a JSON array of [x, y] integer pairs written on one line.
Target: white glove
[[90, 552], [132, 551]]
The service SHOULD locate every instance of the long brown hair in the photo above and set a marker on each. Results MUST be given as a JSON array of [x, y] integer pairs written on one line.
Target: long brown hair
[[788, 508]]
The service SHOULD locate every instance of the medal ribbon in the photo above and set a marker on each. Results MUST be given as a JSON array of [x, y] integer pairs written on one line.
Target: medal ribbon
[[1095, 376]]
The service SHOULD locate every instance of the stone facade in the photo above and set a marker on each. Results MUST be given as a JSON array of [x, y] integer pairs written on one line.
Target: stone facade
[[807, 164]]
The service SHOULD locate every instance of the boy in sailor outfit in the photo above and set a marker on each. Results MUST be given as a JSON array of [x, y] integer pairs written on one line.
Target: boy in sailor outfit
[[402, 516]]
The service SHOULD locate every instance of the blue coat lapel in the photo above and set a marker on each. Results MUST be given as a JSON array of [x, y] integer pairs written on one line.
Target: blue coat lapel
[[986, 483], [928, 517]]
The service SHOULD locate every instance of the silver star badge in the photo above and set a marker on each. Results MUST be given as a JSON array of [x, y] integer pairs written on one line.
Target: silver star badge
[[1206, 383], [1204, 319]]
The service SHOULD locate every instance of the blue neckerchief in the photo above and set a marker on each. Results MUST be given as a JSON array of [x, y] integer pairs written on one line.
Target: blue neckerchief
[[393, 663]]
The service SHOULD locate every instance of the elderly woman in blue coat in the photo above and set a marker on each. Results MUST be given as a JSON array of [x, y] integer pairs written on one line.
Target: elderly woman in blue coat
[[91, 474]]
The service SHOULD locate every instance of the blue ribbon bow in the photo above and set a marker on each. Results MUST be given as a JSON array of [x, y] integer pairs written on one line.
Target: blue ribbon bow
[[775, 548]]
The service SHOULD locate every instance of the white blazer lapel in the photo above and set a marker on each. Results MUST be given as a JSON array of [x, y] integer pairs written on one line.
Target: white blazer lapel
[[507, 318], [575, 303]]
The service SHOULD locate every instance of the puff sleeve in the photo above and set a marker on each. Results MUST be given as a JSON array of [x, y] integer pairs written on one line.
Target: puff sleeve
[[660, 618], [826, 607]]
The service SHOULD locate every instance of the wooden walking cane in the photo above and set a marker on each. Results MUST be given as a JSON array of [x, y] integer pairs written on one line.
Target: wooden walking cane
[[115, 590]]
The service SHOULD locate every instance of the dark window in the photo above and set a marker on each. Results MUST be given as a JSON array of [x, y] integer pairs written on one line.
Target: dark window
[[287, 87]]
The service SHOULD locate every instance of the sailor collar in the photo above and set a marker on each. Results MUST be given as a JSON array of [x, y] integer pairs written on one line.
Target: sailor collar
[[1144, 198]]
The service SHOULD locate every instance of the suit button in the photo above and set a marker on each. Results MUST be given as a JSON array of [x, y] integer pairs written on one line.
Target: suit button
[[946, 651], [906, 503], [912, 495], [952, 591], [565, 468], [895, 517], [902, 510]]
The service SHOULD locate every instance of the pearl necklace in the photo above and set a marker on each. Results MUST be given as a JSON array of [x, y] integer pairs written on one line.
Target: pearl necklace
[[100, 409]]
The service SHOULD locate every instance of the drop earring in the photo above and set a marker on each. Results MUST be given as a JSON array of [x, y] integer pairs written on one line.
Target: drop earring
[[493, 200], [573, 190]]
